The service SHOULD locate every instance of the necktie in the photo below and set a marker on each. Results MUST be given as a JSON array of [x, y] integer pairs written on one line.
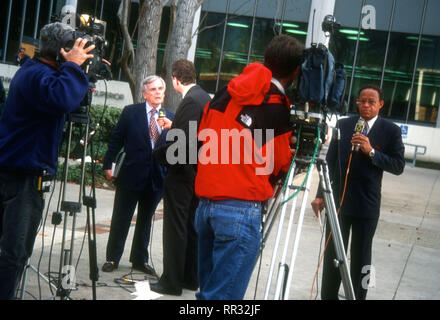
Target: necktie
[[154, 133], [365, 129]]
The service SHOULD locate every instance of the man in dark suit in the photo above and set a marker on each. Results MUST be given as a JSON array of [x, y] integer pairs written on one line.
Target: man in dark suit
[[140, 180], [180, 202], [380, 149]]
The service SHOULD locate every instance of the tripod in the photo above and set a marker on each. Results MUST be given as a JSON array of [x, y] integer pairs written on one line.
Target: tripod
[[28, 266], [67, 273], [285, 271]]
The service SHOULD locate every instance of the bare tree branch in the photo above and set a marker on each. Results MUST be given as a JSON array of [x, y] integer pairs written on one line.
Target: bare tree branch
[[128, 55]]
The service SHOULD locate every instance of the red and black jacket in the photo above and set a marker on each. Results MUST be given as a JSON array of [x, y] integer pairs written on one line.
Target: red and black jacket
[[246, 133]]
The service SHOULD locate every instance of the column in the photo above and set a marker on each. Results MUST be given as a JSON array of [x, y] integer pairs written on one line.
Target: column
[[318, 10]]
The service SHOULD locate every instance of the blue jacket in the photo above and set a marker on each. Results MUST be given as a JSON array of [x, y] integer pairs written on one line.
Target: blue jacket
[[32, 122], [363, 193], [132, 133]]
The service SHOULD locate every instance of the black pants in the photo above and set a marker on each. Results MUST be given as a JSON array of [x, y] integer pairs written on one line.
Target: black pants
[[21, 206], [362, 233], [179, 235], [123, 209]]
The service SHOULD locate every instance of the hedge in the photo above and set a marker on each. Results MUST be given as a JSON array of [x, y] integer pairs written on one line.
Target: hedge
[[107, 120]]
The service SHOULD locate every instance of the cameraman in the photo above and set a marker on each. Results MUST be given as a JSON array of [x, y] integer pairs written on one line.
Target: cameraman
[[228, 217], [40, 95]]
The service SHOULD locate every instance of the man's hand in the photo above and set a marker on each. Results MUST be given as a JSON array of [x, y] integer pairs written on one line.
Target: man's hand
[[362, 141], [108, 175], [318, 205], [164, 123], [78, 54]]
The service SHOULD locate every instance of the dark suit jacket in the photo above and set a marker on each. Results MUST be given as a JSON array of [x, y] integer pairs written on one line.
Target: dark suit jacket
[[363, 193], [190, 109], [132, 133]]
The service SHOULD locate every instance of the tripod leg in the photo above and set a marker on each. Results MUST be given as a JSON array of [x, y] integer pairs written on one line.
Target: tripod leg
[[283, 266], [298, 234], [336, 231], [23, 280], [279, 231]]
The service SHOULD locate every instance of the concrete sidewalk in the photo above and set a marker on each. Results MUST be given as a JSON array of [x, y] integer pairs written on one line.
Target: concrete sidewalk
[[406, 249]]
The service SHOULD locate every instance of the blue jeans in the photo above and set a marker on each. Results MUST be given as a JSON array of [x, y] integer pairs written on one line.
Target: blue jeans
[[228, 246], [21, 206]]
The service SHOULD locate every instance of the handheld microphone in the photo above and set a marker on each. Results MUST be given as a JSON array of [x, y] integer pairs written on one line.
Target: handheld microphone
[[358, 129], [161, 116]]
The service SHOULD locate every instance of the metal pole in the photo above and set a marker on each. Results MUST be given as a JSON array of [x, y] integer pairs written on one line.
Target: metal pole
[[283, 13], [50, 11], [102, 9], [8, 22], [37, 17], [355, 55], [416, 60], [223, 45], [252, 32], [23, 13], [390, 26]]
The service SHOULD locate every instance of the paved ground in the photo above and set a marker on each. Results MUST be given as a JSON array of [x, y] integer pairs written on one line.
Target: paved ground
[[406, 252]]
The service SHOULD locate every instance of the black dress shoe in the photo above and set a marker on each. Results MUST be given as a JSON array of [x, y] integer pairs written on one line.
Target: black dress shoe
[[145, 268], [109, 266], [157, 287]]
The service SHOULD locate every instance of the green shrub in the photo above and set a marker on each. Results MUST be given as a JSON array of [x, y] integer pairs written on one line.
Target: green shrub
[[74, 174], [107, 121]]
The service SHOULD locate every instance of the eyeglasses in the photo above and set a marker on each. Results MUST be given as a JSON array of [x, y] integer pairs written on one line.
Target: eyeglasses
[[365, 101]]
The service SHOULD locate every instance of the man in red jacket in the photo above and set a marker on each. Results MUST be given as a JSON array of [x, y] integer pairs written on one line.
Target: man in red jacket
[[246, 146]]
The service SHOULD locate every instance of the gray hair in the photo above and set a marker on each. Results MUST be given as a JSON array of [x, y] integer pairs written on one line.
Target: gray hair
[[151, 79], [51, 36]]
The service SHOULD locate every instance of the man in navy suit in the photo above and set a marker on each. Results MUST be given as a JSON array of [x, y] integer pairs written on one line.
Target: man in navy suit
[[140, 179], [180, 202], [380, 149]]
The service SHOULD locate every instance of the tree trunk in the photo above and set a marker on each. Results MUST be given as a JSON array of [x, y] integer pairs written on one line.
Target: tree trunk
[[178, 46], [128, 55], [148, 37]]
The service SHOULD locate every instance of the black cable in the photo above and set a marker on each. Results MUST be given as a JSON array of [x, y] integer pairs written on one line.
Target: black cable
[[42, 238], [319, 255]]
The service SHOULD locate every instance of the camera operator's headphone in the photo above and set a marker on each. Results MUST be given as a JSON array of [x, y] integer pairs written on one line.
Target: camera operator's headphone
[[66, 42]]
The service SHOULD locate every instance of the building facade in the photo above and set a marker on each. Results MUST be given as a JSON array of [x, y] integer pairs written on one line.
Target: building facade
[[394, 44]]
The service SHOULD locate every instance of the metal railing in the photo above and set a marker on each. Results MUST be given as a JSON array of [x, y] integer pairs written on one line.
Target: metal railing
[[416, 152]]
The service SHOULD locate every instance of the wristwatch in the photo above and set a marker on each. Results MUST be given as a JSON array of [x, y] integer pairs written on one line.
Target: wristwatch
[[371, 153]]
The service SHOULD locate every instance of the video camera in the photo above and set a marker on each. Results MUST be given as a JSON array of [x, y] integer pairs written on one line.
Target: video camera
[[320, 89], [93, 30]]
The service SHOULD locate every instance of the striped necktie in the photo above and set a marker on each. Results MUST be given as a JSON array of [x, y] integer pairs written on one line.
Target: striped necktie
[[365, 129], [154, 133]]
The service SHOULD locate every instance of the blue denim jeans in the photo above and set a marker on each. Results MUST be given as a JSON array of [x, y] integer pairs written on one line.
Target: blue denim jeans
[[21, 206], [228, 246]]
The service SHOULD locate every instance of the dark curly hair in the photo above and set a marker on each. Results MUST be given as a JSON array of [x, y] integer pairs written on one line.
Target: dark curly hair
[[283, 55], [184, 71]]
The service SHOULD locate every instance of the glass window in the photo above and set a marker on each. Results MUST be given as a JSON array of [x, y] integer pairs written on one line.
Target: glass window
[[401, 103], [238, 37], [426, 88], [371, 47], [401, 59], [209, 44]]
